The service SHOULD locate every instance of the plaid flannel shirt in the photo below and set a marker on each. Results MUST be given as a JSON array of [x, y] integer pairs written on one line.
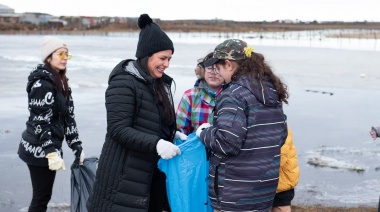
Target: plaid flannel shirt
[[195, 108]]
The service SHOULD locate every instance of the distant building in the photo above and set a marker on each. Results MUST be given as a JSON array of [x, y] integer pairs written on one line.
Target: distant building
[[36, 18], [7, 15], [287, 21], [6, 10], [56, 23], [87, 21], [93, 22]]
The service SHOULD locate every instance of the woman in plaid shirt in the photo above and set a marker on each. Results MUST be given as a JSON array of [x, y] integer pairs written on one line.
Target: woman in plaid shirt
[[197, 103]]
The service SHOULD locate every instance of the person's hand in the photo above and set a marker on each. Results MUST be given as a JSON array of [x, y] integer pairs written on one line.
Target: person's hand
[[180, 135], [55, 161], [201, 128], [375, 132], [167, 150], [79, 153]]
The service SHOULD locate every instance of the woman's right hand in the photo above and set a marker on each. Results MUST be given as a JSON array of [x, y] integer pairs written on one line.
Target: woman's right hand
[[55, 161], [167, 150]]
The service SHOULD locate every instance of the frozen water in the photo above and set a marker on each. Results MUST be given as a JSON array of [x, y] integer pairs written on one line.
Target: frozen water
[[334, 100]]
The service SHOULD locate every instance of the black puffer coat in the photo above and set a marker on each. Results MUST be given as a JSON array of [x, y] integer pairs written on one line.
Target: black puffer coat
[[129, 155], [51, 119]]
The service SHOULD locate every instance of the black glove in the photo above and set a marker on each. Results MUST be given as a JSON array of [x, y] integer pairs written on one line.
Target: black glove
[[77, 150], [375, 132]]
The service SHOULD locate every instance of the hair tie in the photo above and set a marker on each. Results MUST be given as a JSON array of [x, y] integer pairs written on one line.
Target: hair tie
[[248, 51]]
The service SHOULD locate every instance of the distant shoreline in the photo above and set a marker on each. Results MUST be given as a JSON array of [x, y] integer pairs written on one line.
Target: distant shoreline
[[356, 35]]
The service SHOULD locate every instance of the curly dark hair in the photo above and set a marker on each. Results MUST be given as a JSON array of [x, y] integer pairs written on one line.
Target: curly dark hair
[[256, 68]]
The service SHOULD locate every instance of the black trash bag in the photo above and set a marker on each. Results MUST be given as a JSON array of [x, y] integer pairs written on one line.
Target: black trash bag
[[82, 181]]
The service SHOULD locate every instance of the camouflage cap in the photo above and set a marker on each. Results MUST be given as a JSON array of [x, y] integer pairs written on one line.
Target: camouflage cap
[[231, 49]]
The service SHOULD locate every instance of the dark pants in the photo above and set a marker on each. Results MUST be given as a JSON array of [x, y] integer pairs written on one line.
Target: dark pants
[[42, 182], [158, 196], [283, 198]]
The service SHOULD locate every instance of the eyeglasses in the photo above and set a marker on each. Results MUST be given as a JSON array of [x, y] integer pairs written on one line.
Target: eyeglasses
[[212, 69], [62, 55]]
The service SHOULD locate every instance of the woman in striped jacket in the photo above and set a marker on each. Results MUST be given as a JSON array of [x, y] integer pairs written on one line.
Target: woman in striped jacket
[[248, 130]]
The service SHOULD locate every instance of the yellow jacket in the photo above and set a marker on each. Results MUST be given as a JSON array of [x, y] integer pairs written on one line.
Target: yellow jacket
[[289, 170]]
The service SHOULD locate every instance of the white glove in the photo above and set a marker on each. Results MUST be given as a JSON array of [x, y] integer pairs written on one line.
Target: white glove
[[167, 150], [201, 128], [55, 161], [180, 135]]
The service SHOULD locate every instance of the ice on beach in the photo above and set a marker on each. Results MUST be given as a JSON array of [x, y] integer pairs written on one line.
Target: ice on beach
[[53, 207], [22, 58], [323, 161], [89, 63], [365, 192], [310, 39], [88, 84], [348, 158], [327, 129]]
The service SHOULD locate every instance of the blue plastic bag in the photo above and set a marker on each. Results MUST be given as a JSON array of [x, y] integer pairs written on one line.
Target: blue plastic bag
[[187, 177]]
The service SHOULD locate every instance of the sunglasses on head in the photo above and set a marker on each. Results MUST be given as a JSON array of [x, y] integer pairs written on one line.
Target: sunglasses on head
[[62, 55]]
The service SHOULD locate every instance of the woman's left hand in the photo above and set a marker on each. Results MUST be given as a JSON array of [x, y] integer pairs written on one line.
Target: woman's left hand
[[201, 128], [79, 153], [180, 135]]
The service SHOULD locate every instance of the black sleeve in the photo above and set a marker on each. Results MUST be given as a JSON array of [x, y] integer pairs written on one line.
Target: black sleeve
[[71, 130], [120, 105], [41, 104]]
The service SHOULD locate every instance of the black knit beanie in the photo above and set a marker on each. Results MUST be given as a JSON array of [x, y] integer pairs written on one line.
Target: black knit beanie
[[151, 39]]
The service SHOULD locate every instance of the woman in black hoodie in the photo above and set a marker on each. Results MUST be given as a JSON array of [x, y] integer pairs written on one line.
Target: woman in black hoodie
[[50, 121]]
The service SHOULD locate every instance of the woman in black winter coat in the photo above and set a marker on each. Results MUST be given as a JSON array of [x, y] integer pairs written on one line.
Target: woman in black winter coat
[[140, 128], [50, 121]]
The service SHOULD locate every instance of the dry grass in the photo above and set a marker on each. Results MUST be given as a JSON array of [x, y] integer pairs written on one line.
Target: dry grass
[[371, 30], [206, 26]]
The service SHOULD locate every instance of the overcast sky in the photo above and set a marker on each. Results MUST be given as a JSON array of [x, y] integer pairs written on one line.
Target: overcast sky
[[238, 10]]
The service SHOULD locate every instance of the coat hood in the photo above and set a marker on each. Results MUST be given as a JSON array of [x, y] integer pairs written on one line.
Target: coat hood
[[264, 90], [131, 67], [127, 66], [39, 72]]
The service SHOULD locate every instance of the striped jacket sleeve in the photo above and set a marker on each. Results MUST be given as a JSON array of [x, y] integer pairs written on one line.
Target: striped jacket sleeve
[[228, 132]]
